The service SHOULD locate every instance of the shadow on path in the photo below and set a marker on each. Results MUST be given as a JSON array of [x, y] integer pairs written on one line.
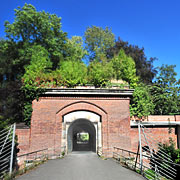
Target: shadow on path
[[81, 166]]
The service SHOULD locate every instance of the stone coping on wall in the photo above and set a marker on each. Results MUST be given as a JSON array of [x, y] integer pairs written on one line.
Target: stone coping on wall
[[155, 124], [157, 120], [92, 92], [21, 125]]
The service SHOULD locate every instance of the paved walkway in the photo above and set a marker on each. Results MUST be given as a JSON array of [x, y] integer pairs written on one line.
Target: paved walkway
[[81, 166]]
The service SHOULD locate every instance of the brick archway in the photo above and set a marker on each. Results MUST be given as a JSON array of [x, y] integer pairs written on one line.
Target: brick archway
[[82, 110], [111, 105]]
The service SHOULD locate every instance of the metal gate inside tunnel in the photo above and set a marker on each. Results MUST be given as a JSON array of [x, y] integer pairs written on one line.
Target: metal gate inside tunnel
[[82, 131]]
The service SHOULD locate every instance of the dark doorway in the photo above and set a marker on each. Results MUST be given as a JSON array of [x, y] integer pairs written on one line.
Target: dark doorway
[[81, 136], [81, 141]]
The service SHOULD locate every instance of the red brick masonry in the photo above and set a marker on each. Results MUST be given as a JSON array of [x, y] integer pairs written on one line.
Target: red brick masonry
[[47, 116]]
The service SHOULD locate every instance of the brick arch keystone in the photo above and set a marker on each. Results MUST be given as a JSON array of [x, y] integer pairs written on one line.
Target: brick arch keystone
[[81, 105]]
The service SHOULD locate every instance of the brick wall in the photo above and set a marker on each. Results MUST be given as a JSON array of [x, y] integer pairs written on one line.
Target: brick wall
[[157, 134], [46, 124], [160, 134], [23, 136]]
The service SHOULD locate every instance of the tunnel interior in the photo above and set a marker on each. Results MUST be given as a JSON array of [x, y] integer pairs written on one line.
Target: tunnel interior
[[82, 136]]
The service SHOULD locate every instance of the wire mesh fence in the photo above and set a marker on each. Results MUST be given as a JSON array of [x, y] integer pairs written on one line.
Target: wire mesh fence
[[7, 143], [151, 159]]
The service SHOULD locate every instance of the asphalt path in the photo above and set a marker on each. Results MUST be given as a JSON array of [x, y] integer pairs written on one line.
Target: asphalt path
[[81, 166]]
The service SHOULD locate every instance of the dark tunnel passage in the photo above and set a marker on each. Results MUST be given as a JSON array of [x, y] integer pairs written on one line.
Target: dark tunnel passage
[[82, 136]]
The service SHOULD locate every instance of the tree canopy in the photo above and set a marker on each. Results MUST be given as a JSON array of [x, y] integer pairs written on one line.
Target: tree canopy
[[141, 103], [160, 98], [73, 73], [99, 73], [39, 64], [166, 91], [76, 52], [31, 27], [124, 68], [98, 41], [144, 67], [36, 54]]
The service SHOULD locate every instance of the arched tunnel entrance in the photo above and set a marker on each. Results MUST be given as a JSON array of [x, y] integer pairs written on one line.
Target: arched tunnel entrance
[[81, 131], [81, 136]]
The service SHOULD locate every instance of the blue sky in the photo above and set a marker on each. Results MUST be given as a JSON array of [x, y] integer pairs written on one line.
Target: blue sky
[[152, 24]]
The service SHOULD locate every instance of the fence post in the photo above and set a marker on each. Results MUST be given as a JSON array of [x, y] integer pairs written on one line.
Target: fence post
[[140, 146], [12, 149], [137, 154]]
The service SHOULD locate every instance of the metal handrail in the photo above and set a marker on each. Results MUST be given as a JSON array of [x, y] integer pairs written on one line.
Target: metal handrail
[[125, 150], [156, 162], [32, 152], [144, 173], [146, 156]]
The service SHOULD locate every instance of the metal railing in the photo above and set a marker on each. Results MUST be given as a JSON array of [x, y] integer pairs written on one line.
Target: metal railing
[[150, 160], [131, 159], [41, 154], [160, 162], [35, 155], [7, 144]]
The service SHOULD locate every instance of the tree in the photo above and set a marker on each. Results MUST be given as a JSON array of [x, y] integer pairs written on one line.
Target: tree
[[98, 41], [10, 103], [10, 96], [39, 65], [73, 73], [144, 67], [33, 42], [160, 98], [124, 68], [39, 28], [166, 91], [76, 52], [100, 73], [141, 103], [8, 68]]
